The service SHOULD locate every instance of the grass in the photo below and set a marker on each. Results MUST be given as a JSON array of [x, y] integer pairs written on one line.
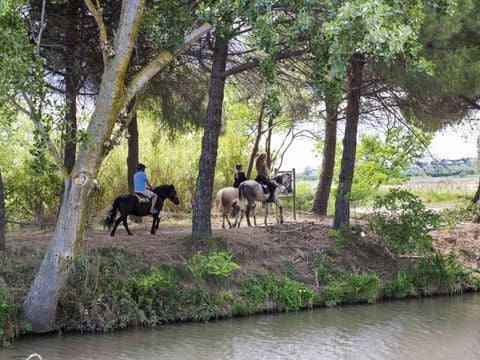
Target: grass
[[443, 189]]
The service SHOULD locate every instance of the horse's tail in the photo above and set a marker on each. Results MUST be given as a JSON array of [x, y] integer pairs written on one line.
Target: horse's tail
[[242, 198], [111, 214]]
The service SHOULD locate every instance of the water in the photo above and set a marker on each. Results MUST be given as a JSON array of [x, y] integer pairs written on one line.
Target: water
[[434, 328]]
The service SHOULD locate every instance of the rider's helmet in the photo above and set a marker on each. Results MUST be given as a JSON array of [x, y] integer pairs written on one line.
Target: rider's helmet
[[238, 166], [140, 166]]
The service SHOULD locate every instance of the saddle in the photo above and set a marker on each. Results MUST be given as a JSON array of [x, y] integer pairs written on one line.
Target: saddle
[[142, 199]]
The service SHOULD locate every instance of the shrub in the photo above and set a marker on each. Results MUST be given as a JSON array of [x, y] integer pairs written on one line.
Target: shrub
[[289, 295], [7, 316], [439, 273], [402, 222], [352, 288], [451, 217], [217, 264], [401, 286]]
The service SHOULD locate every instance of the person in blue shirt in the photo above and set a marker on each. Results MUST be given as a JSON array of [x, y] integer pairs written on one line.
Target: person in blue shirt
[[140, 184]]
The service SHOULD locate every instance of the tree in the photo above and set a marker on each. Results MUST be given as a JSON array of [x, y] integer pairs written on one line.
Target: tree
[[201, 224], [342, 204], [248, 16], [115, 93], [320, 203], [367, 31]]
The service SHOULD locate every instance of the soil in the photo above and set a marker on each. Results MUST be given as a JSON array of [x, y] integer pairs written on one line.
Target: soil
[[290, 248]]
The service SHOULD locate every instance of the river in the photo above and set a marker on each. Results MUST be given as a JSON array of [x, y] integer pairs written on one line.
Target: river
[[432, 328]]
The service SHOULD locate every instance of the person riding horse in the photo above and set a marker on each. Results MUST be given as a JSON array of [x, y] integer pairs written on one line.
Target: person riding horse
[[239, 176], [140, 182], [262, 175]]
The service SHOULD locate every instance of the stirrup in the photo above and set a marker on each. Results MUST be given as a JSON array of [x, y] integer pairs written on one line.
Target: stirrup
[[154, 211]]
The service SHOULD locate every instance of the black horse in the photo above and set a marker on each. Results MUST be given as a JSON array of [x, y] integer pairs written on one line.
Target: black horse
[[131, 205]]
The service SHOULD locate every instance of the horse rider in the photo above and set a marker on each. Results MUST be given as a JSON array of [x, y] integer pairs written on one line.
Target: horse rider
[[262, 175], [142, 185], [239, 176]]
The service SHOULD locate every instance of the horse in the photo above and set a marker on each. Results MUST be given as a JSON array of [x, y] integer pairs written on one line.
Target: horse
[[132, 205], [227, 201], [250, 191]]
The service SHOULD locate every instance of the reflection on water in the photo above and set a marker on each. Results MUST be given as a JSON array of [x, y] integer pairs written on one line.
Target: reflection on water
[[435, 328]]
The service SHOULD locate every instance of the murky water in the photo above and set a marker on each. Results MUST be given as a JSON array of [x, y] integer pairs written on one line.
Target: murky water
[[433, 329]]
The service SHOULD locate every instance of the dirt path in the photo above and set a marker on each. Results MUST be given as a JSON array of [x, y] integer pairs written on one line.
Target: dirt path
[[294, 246]]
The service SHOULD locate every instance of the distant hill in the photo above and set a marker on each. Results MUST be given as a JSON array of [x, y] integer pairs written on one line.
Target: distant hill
[[443, 167]]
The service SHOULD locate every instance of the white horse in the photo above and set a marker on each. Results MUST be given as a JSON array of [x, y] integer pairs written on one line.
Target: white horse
[[250, 191], [226, 201]]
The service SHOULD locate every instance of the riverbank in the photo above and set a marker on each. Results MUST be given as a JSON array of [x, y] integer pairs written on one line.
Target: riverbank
[[148, 280]]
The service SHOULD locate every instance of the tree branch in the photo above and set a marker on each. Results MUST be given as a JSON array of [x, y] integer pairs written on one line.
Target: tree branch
[[255, 62], [43, 133], [97, 15], [42, 27], [160, 61]]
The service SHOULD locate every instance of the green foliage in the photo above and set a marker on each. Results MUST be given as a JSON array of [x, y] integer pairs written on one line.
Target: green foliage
[[305, 194], [439, 273], [402, 221], [289, 295], [351, 288], [401, 286], [451, 217], [7, 316], [217, 264], [382, 161]]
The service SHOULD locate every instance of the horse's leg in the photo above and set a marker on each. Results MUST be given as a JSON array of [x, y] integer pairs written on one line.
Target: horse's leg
[[223, 220], [279, 207], [228, 220], [247, 215], [157, 224], [125, 224], [241, 218], [265, 205], [154, 224], [119, 220], [254, 213]]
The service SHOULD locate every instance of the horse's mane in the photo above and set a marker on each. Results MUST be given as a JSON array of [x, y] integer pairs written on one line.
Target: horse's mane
[[163, 189], [279, 178]]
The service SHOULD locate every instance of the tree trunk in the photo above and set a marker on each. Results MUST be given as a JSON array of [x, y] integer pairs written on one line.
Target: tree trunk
[[268, 143], [2, 215], [39, 308], [320, 204], [342, 205], [257, 141], [71, 86], [201, 222], [476, 197], [132, 158]]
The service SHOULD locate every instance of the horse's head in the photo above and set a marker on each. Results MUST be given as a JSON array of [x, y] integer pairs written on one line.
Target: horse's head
[[172, 195], [284, 180]]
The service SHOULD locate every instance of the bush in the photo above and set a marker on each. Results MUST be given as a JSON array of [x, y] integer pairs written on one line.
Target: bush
[[217, 264], [7, 316], [401, 286], [439, 273], [289, 295], [453, 216], [352, 288], [403, 222]]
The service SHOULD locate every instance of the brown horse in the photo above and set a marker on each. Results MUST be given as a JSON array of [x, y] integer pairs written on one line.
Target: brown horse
[[226, 201]]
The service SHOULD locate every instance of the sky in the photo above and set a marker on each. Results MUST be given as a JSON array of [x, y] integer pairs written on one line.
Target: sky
[[455, 143]]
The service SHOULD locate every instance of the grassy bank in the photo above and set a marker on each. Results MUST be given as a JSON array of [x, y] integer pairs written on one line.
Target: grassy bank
[[112, 288]]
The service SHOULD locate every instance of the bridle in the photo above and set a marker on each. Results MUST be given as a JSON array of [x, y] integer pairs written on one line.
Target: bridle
[[285, 187]]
